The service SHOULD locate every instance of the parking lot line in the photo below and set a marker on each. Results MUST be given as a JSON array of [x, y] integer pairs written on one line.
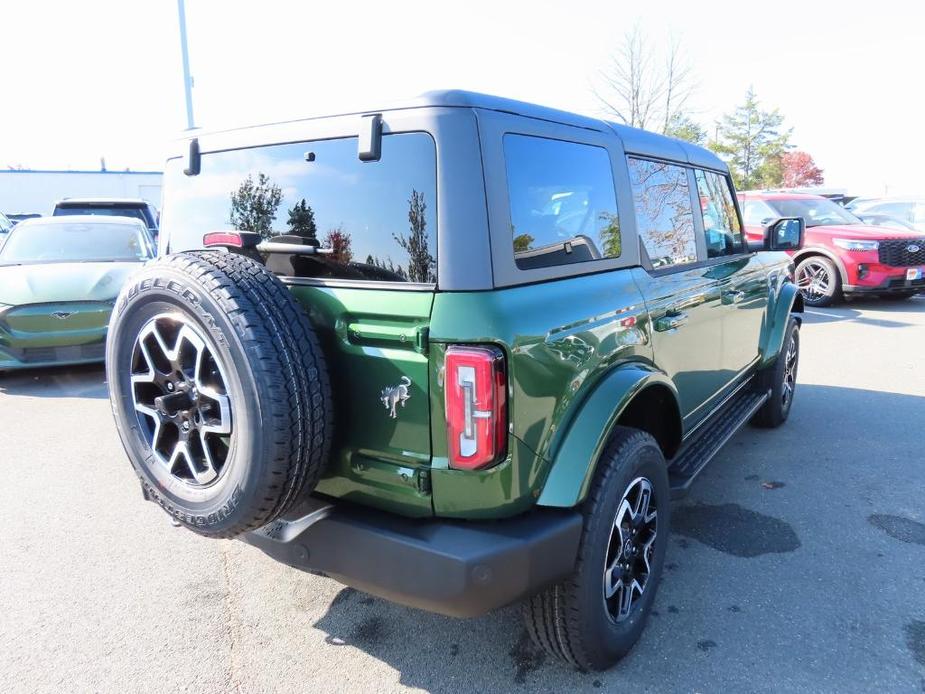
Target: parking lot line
[[823, 313]]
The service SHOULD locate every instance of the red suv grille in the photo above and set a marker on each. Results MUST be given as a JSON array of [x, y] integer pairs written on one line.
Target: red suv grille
[[902, 252]]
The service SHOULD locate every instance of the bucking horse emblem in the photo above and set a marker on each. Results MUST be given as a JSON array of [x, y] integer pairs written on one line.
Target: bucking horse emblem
[[394, 395]]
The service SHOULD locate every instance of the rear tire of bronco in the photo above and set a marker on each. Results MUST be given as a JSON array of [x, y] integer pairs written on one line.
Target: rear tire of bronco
[[219, 390], [594, 618], [781, 379]]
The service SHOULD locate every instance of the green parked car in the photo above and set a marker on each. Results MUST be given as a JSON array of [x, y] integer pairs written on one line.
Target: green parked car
[[59, 279], [457, 353]]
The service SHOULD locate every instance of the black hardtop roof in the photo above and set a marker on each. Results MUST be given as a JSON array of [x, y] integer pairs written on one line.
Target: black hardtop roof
[[635, 140]]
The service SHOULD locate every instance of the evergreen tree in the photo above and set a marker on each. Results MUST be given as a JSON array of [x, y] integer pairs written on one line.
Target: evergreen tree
[[421, 264], [254, 205], [611, 239], [685, 128], [523, 242], [753, 143], [387, 264], [302, 221]]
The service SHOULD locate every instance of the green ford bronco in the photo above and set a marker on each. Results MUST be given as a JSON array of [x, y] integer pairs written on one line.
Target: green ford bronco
[[456, 353]]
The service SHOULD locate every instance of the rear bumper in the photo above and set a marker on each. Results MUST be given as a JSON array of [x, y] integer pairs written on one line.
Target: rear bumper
[[456, 568]]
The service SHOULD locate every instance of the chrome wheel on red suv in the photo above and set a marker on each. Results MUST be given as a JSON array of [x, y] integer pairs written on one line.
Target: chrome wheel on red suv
[[819, 281]]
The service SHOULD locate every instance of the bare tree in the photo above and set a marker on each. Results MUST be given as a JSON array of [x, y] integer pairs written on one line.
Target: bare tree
[[630, 91], [644, 89], [679, 84]]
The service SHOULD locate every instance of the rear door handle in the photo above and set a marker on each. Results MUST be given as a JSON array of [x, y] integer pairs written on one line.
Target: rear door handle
[[670, 321], [384, 335]]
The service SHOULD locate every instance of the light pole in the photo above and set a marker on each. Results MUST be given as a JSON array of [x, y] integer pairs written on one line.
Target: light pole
[[187, 80]]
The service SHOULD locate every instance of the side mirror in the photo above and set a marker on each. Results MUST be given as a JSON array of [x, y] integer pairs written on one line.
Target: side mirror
[[785, 234]]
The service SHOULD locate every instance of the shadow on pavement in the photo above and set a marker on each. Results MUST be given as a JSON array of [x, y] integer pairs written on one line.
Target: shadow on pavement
[[866, 310], [494, 653], [78, 381], [441, 654]]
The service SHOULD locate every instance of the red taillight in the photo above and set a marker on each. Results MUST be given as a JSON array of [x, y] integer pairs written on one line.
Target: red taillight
[[223, 238], [476, 406]]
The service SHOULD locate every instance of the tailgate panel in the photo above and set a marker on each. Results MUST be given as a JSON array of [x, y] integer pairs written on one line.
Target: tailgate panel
[[375, 344]]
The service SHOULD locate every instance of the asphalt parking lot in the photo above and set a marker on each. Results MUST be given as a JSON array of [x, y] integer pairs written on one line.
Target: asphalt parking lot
[[797, 563]]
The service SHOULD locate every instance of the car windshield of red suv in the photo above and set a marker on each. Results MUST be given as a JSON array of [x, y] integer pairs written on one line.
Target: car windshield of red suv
[[814, 211]]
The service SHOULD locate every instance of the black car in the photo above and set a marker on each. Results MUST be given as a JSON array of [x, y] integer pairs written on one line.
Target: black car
[[118, 207]]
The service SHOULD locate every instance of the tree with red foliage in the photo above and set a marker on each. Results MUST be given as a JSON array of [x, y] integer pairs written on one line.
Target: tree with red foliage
[[799, 170], [340, 243]]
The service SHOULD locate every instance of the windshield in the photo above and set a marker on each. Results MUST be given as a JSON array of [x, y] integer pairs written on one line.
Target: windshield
[[49, 243], [135, 212], [814, 211]]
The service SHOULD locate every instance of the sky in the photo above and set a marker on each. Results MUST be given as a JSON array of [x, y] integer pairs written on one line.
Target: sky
[[102, 78]]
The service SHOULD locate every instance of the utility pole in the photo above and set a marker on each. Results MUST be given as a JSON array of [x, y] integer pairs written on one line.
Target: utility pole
[[187, 80]]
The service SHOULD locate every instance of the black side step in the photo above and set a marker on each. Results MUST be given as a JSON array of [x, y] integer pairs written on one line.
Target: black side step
[[713, 436]]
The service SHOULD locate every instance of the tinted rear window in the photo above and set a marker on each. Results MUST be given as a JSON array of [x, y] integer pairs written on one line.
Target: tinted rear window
[[563, 204], [664, 216], [379, 217]]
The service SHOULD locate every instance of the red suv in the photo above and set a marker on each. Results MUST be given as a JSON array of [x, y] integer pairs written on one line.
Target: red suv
[[841, 254]]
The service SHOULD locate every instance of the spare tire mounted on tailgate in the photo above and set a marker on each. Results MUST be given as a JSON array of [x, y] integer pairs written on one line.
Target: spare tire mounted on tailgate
[[219, 390]]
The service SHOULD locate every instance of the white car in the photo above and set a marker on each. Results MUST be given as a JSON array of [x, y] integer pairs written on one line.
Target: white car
[[908, 210], [6, 226]]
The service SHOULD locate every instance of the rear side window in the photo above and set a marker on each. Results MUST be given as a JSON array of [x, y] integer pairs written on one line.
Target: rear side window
[[664, 216], [563, 204], [379, 217], [721, 228]]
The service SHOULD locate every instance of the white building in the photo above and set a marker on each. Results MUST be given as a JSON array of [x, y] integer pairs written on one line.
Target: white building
[[37, 191]]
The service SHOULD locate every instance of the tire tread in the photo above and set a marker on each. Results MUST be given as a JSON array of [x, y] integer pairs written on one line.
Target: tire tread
[[288, 365], [552, 617]]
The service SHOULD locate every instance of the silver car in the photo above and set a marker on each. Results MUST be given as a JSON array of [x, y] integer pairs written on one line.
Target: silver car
[[908, 210]]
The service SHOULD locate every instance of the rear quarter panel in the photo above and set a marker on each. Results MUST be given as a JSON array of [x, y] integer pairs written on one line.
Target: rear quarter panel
[[560, 338]]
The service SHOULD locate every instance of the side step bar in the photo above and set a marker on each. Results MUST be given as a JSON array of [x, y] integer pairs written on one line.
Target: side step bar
[[695, 455]]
